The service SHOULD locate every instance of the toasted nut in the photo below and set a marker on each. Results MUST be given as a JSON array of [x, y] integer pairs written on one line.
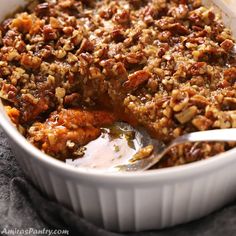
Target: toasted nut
[[186, 115], [201, 123], [179, 100], [137, 78], [142, 153], [227, 45], [29, 61]]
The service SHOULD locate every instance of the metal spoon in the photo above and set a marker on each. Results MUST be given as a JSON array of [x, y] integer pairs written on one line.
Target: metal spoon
[[160, 149]]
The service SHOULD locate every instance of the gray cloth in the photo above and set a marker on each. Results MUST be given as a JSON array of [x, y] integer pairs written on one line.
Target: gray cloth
[[22, 206]]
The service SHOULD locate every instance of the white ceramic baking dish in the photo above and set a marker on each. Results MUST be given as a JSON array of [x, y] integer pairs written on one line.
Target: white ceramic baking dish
[[134, 201]]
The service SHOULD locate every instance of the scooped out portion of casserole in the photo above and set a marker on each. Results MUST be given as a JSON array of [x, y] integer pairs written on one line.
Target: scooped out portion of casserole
[[69, 68]]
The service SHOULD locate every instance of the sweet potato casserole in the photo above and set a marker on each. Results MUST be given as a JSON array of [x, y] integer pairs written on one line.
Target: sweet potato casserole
[[69, 68]]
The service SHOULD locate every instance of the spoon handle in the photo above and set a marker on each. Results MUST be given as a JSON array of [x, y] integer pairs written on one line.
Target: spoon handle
[[209, 135]]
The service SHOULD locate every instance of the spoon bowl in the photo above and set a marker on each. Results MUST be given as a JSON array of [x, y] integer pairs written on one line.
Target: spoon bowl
[[160, 149]]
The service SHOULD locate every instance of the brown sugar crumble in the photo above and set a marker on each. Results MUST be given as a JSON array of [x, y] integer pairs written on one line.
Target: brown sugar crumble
[[69, 67]]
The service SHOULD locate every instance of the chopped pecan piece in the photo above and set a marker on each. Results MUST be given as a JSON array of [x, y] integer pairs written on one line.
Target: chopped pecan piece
[[202, 123], [164, 36], [137, 78], [118, 34], [31, 62], [178, 28], [136, 58], [122, 17], [199, 100], [66, 3], [179, 12], [49, 33], [42, 9], [186, 115], [169, 24], [233, 120], [230, 103], [230, 74], [227, 45], [86, 46], [179, 100], [198, 68], [8, 92]]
